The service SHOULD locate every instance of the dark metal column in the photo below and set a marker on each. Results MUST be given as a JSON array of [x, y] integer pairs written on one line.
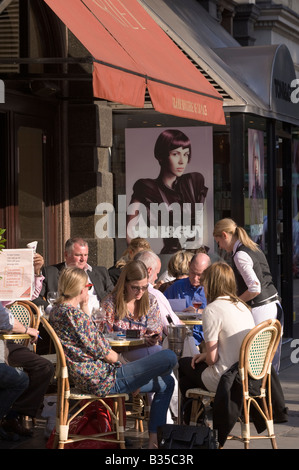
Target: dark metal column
[[287, 258], [272, 203]]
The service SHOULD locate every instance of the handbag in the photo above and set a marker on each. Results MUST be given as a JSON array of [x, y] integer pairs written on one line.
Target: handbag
[[95, 419], [186, 437]]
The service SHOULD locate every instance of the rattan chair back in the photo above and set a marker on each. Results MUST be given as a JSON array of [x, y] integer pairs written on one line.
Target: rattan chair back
[[257, 351], [64, 415], [22, 313]]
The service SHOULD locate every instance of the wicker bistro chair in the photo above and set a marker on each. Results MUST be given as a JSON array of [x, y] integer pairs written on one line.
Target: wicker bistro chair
[[65, 414], [28, 314], [255, 360]]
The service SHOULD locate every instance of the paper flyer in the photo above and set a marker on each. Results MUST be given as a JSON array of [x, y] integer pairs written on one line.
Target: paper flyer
[[16, 274]]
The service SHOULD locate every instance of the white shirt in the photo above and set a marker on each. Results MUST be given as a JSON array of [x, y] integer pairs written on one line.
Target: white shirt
[[165, 308], [244, 264], [228, 324]]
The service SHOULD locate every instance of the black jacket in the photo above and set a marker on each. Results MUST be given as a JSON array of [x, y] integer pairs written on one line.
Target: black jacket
[[228, 403], [98, 276]]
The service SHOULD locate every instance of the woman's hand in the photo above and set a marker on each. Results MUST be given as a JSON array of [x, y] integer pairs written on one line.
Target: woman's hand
[[151, 338], [198, 358]]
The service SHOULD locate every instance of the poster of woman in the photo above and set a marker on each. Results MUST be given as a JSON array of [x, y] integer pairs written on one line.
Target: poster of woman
[[256, 182], [169, 187]]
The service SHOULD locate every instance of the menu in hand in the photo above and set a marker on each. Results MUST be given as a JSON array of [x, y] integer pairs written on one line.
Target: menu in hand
[[16, 274]]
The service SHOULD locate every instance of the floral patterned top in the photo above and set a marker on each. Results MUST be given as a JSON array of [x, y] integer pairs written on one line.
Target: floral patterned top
[[85, 348], [150, 321]]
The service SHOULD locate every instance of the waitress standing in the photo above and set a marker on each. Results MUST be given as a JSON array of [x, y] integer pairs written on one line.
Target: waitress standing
[[254, 280]]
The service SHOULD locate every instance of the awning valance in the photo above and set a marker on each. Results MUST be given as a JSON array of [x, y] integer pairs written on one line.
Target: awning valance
[[132, 53]]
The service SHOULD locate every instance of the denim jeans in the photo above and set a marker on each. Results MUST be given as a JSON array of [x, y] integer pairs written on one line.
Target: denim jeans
[[149, 374], [13, 382]]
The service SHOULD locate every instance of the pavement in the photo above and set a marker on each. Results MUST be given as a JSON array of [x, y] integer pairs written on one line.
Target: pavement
[[287, 434]]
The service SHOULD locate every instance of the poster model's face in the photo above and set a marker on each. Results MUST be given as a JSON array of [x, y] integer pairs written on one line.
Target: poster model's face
[[177, 161]]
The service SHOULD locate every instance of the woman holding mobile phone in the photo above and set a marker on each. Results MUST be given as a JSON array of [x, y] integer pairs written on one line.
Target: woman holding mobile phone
[[130, 306]]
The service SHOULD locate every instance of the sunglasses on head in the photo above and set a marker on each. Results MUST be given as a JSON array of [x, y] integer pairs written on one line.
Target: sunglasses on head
[[89, 286]]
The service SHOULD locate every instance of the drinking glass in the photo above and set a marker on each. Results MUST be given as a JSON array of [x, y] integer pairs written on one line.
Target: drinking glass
[[98, 315], [51, 297], [196, 302]]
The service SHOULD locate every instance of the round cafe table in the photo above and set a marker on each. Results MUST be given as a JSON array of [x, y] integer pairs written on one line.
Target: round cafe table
[[190, 319], [122, 341]]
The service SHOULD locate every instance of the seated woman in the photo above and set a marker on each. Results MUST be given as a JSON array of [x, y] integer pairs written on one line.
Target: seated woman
[[136, 244], [178, 268], [226, 321], [131, 306], [94, 366]]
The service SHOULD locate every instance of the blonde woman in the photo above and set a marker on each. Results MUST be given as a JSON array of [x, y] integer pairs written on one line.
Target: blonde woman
[[178, 268], [136, 244], [254, 280], [94, 367], [226, 321], [131, 306]]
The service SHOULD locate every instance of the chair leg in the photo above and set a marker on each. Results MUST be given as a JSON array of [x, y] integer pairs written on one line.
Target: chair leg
[[197, 410], [119, 412], [270, 429]]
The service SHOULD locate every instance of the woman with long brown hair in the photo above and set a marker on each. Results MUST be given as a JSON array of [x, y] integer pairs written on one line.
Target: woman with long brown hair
[[131, 306], [226, 321]]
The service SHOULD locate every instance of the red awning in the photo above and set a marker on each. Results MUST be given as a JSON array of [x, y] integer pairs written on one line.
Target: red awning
[[131, 52]]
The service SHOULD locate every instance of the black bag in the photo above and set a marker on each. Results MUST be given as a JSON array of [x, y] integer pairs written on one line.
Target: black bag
[[186, 437]]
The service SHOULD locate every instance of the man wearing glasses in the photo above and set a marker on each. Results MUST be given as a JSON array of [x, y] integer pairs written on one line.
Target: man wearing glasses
[[186, 288]]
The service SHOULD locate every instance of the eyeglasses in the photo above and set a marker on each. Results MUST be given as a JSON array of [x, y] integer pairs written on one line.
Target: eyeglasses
[[89, 286], [139, 288]]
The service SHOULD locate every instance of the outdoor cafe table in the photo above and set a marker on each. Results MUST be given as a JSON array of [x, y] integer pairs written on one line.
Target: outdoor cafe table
[[122, 341], [190, 318]]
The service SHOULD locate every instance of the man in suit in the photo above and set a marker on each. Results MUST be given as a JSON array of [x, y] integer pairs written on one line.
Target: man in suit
[[76, 255]]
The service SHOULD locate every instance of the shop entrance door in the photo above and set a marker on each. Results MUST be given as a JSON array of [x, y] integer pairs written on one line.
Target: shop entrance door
[[31, 193]]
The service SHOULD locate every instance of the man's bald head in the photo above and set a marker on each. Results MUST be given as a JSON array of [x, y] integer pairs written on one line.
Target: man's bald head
[[198, 264]]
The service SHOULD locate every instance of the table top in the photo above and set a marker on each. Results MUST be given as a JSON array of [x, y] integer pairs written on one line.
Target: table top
[[190, 318], [123, 341], [191, 322]]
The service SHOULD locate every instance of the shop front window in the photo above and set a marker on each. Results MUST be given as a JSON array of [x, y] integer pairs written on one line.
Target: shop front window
[[255, 198]]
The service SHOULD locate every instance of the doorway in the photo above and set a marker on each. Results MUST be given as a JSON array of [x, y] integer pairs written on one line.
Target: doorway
[[30, 180]]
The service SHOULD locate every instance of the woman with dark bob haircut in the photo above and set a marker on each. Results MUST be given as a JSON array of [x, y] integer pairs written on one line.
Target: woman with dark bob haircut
[[173, 185]]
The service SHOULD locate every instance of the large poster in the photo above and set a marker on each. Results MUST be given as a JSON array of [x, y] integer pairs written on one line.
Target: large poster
[[256, 183], [169, 187]]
